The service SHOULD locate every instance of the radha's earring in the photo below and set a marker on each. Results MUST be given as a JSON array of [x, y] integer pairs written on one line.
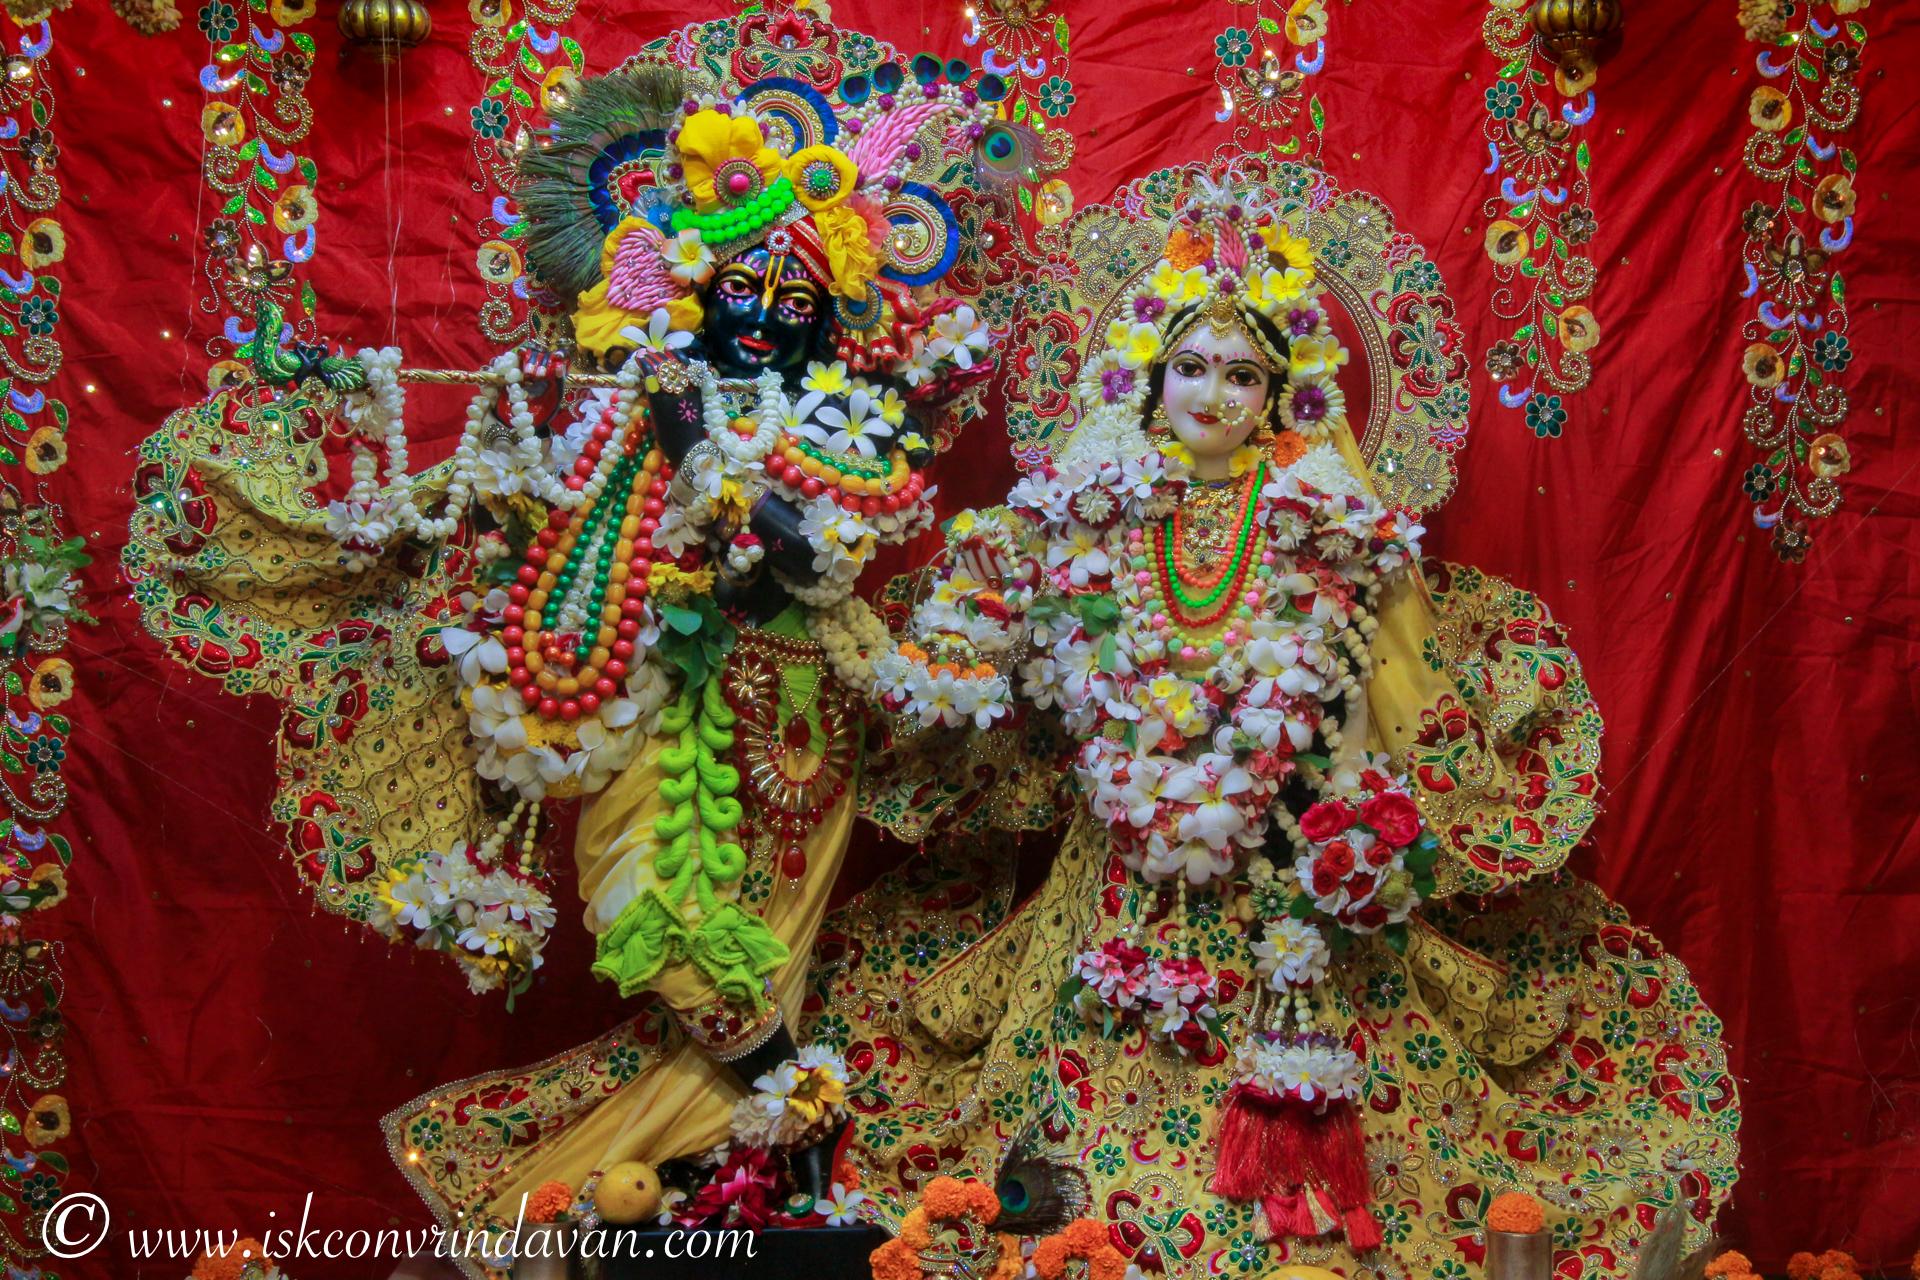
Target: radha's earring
[[1160, 422]]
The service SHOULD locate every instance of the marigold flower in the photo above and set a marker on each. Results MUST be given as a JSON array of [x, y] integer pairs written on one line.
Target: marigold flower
[[1516, 1212], [229, 1264], [1732, 1263], [548, 1201], [895, 1260], [1187, 249]]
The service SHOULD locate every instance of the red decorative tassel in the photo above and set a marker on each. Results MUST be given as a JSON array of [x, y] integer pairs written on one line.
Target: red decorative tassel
[[1259, 1142], [1289, 1158]]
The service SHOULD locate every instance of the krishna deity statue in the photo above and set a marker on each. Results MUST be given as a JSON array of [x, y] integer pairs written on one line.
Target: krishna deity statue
[[637, 591]]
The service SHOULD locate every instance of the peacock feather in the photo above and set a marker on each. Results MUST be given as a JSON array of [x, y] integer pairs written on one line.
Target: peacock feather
[[568, 189], [1041, 1188]]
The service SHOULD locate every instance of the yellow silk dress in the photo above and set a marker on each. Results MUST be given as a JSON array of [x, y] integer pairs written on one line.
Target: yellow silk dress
[[654, 1089]]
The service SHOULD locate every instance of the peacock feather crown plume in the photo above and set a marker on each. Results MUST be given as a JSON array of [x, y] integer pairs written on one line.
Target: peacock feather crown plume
[[603, 154]]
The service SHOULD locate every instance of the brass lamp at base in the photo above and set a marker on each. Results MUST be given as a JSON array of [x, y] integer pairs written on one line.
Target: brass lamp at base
[[550, 1257], [1512, 1255]]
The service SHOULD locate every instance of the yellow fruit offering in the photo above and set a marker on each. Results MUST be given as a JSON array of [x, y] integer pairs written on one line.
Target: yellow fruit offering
[[628, 1193]]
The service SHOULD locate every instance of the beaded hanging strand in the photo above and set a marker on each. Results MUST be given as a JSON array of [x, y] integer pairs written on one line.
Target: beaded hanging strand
[[576, 609], [1174, 572]]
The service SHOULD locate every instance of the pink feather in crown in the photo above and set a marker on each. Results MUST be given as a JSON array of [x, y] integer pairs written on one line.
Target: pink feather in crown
[[883, 138], [641, 280]]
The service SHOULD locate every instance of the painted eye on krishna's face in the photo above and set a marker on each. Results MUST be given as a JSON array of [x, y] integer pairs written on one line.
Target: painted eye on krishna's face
[[747, 331]]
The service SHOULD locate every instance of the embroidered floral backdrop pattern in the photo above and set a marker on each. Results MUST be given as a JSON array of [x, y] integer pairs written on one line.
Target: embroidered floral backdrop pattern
[[232, 1050]]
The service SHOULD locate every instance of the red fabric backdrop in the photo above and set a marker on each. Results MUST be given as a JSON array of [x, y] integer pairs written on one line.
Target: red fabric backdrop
[[233, 1049]]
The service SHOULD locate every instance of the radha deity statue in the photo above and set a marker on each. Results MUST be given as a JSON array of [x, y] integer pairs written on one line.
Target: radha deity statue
[[638, 591], [1304, 982]]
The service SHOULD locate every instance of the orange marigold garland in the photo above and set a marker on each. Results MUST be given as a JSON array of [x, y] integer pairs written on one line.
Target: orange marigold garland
[[1084, 1240], [968, 1209]]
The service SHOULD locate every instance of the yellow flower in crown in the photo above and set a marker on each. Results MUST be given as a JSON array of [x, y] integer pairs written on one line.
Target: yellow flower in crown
[[1270, 289], [1135, 344], [1177, 287], [725, 158], [852, 256], [1311, 357], [822, 176]]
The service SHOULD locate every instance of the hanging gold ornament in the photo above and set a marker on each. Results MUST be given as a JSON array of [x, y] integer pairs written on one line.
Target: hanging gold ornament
[[1571, 30], [387, 28]]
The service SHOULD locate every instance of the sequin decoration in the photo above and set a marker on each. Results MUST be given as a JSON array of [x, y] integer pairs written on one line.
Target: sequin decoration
[[526, 65], [254, 121], [1540, 226], [1796, 344], [40, 606], [1264, 65], [33, 425], [1027, 49], [39, 603]]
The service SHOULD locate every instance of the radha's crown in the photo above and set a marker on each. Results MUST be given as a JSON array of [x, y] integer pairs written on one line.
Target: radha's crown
[[1231, 264]]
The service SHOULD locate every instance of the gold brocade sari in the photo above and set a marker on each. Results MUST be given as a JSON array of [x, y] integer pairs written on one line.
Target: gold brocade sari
[[1529, 1039]]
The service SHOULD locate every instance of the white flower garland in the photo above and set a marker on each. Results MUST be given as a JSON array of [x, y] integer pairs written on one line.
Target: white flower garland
[[373, 514], [493, 922]]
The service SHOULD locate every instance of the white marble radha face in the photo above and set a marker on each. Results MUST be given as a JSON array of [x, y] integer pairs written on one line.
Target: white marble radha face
[[1215, 392]]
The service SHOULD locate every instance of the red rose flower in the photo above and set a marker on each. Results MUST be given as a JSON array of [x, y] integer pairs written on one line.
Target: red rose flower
[[1325, 820], [1371, 916], [1325, 880], [1336, 858], [1192, 1037], [1379, 854], [1394, 815], [991, 605]]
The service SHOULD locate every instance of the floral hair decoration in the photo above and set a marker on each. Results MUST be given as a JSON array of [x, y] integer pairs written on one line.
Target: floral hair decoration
[[642, 187], [1228, 264]]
